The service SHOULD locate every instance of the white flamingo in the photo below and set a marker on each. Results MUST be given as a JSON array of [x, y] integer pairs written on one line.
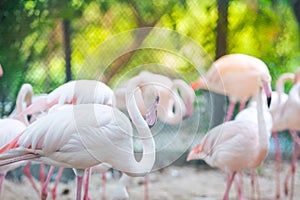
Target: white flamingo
[[86, 135]]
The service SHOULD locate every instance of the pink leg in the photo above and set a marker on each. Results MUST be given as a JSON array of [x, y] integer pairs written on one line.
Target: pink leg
[[291, 173], [229, 183], [240, 185], [146, 195], [242, 105], [45, 186], [295, 136], [2, 177], [42, 173], [230, 111], [57, 180], [104, 185], [27, 173], [278, 160], [86, 184], [255, 184], [79, 175]]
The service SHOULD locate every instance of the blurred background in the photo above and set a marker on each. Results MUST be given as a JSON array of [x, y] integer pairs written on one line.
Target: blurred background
[[46, 43], [49, 42]]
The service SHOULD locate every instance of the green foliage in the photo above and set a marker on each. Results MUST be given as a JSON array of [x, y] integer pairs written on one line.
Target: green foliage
[[32, 45]]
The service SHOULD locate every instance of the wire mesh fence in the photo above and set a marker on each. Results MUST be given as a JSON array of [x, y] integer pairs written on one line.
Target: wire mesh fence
[[112, 41]]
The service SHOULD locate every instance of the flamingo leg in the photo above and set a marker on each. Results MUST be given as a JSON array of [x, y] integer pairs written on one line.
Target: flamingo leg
[[45, 186], [2, 177], [57, 180], [104, 179], [86, 184], [42, 174], [242, 105], [230, 110], [278, 160], [26, 171], [255, 184], [146, 194], [295, 136], [79, 174], [229, 183], [291, 173]]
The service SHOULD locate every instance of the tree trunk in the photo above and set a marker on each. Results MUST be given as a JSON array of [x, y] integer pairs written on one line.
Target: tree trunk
[[296, 7], [222, 28], [124, 59], [67, 48], [221, 49]]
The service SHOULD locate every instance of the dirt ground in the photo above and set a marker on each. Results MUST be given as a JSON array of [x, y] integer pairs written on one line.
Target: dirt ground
[[173, 183]]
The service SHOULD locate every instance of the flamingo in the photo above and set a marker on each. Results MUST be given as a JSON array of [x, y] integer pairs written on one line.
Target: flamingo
[[286, 120], [279, 99], [85, 135], [170, 98], [176, 100], [234, 75], [74, 92], [226, 145], [10, 128]]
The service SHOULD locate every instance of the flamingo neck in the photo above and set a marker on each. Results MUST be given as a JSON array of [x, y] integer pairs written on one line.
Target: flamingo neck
[[145, 165], [187, 94], [168, 115], [262, 128], [280, 85], [294, 94], [24, 96]]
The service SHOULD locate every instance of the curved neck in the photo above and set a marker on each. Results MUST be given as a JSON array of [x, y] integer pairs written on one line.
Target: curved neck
[[145, 165], [262, 129], [294, 94], [280, 84], [24, 96], [187, 94], [166, 114]]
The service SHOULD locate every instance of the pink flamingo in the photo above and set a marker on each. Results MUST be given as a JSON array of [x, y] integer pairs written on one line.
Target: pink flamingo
[[85, 135], [279, 99], [226, 145], [74, 92], [234, 75], [169, 94], [286, 120], [172, 107], [10, 128]]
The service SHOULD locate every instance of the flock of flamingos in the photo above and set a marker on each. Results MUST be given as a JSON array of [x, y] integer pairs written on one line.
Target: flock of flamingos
[[81, 125]]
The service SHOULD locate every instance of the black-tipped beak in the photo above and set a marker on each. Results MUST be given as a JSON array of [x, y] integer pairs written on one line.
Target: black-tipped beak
[[269, 101]]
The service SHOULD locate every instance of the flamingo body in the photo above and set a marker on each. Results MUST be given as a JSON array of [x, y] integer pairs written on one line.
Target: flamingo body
[[74, 92]]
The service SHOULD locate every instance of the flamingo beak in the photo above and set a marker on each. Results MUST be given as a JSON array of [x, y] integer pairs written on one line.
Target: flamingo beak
[[195, 85], [151, 115], [189, 109], [268, 91], [1, 70], [194, 153]]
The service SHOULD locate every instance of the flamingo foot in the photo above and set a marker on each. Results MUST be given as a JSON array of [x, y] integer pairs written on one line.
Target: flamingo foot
[[53, 193]]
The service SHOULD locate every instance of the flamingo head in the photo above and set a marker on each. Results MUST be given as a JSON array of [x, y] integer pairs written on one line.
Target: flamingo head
[[265, 83], [151, 115], [297, 76], [195, 153], [151, 100], [195, 85]]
